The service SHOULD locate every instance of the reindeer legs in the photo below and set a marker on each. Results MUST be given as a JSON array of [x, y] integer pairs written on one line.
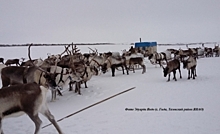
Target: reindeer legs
[[174, 75], [123, 69], [77, 87], [1, 132], [132, 67], [50, 117], [195, 72], [36, 120], [46, 112], [168, 77], [144, 68], [85, 84], [189, 74], [113, 70], [180, 73]]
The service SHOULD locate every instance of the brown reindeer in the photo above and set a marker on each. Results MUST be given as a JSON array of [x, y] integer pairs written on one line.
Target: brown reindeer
[[30, 99], [113, 63], [12, 61], [139, 61], [134, 59], [13, 75], [172, 66]]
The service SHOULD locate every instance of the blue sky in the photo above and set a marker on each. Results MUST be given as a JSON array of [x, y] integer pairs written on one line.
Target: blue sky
[[115, 21]]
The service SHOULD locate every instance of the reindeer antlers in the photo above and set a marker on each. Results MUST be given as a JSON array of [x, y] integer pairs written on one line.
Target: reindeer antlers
[[71, 52], [29, 55], [75, 49], [94, 51]]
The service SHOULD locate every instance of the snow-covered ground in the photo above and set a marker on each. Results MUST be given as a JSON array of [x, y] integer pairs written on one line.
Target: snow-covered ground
[[152, 94]]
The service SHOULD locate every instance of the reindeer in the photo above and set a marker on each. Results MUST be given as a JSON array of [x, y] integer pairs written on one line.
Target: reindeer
[[85, 72], [85, 76], [190, 64], [134, 58], [30, 99], [139, 61], [208, 52], [172, 66], [64, 76], [12, 61], [13, 75], [94, 59], [112, 62]]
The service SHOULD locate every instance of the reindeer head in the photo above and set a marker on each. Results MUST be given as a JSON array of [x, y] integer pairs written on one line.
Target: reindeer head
[[185, 62], [51, 79]]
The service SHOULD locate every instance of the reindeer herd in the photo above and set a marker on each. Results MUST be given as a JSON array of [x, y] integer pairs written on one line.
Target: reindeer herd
[[24, 86], [188, 58]]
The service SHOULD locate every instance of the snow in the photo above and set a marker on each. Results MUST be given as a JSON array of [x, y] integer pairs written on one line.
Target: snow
[[152, 91]]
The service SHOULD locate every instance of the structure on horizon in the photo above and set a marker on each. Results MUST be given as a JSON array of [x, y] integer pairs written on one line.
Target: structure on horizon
[[146, 46]]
